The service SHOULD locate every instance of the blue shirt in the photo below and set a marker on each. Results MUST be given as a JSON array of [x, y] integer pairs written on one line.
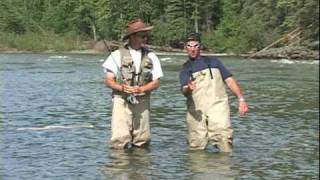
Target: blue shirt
[[203, 62]]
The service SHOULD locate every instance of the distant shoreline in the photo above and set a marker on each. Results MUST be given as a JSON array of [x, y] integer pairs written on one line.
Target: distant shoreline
[[99, 52], [273, 54], [94, 52]]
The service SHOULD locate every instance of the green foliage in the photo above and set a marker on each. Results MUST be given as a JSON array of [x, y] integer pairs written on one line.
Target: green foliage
[[226, 25], [229, 33], [176, 18], [159, 35], [31, 41], [308, 20]]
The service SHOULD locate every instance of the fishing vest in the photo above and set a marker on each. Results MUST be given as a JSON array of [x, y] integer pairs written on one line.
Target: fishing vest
[[127, 69]]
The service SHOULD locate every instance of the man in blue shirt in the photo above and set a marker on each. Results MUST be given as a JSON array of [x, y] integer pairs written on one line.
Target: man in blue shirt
[[203, 82]]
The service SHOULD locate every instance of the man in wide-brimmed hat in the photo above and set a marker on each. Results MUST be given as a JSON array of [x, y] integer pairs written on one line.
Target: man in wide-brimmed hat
[[132, 72], [135, 26]]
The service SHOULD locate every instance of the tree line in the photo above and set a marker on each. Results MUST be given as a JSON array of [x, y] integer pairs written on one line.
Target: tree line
[[225, 25]]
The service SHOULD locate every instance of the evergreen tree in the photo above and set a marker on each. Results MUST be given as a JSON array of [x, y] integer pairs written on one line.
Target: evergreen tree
[[226, 25]]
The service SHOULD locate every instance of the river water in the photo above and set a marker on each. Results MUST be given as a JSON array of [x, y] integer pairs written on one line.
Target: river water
[[56, 112]]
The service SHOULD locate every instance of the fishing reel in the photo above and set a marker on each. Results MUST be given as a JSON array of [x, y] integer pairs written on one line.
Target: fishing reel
[[132, 99]]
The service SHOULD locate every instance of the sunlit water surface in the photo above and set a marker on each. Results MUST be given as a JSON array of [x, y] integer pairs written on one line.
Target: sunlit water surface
[[56, 112]]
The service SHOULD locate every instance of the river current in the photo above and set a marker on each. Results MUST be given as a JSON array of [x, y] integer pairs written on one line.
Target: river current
[[55, 114]]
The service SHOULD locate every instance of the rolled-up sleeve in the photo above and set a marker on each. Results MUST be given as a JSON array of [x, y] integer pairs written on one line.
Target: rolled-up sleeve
[[157, 69], [112, 63]]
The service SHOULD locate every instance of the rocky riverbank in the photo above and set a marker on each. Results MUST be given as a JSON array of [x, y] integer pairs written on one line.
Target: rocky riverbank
[[297, 52]]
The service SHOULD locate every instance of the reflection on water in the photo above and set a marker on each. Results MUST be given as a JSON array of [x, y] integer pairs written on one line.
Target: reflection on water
[[129, 164], [55, 115], [205, 165]]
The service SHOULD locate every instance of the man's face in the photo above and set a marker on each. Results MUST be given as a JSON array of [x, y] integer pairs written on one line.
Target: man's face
[[139, 39], [193, 49]]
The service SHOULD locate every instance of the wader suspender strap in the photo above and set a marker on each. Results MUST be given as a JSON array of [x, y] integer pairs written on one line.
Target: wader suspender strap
[[210, 71], [208, 65]]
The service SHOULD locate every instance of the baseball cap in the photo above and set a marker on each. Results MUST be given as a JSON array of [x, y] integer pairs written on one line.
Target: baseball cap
[[193, 36]]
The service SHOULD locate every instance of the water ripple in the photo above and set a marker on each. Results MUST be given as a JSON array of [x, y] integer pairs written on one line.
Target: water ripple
[[56, 123]]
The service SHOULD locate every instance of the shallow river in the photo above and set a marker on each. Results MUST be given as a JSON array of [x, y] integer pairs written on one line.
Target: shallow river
[[55, 123]]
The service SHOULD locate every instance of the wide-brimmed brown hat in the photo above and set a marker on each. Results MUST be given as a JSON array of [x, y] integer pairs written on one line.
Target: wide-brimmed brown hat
[[135, 26]]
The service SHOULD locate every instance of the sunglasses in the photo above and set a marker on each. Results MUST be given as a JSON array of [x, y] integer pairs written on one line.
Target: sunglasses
[[193, 46], [142, 35]]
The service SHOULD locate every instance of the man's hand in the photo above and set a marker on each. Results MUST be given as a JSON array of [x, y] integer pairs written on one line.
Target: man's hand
[[243, 107], [139, 89], [150, 86], [189, 87], [128, 89]]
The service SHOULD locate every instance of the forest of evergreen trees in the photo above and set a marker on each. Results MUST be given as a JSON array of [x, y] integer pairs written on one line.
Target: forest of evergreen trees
[[225, 25]]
